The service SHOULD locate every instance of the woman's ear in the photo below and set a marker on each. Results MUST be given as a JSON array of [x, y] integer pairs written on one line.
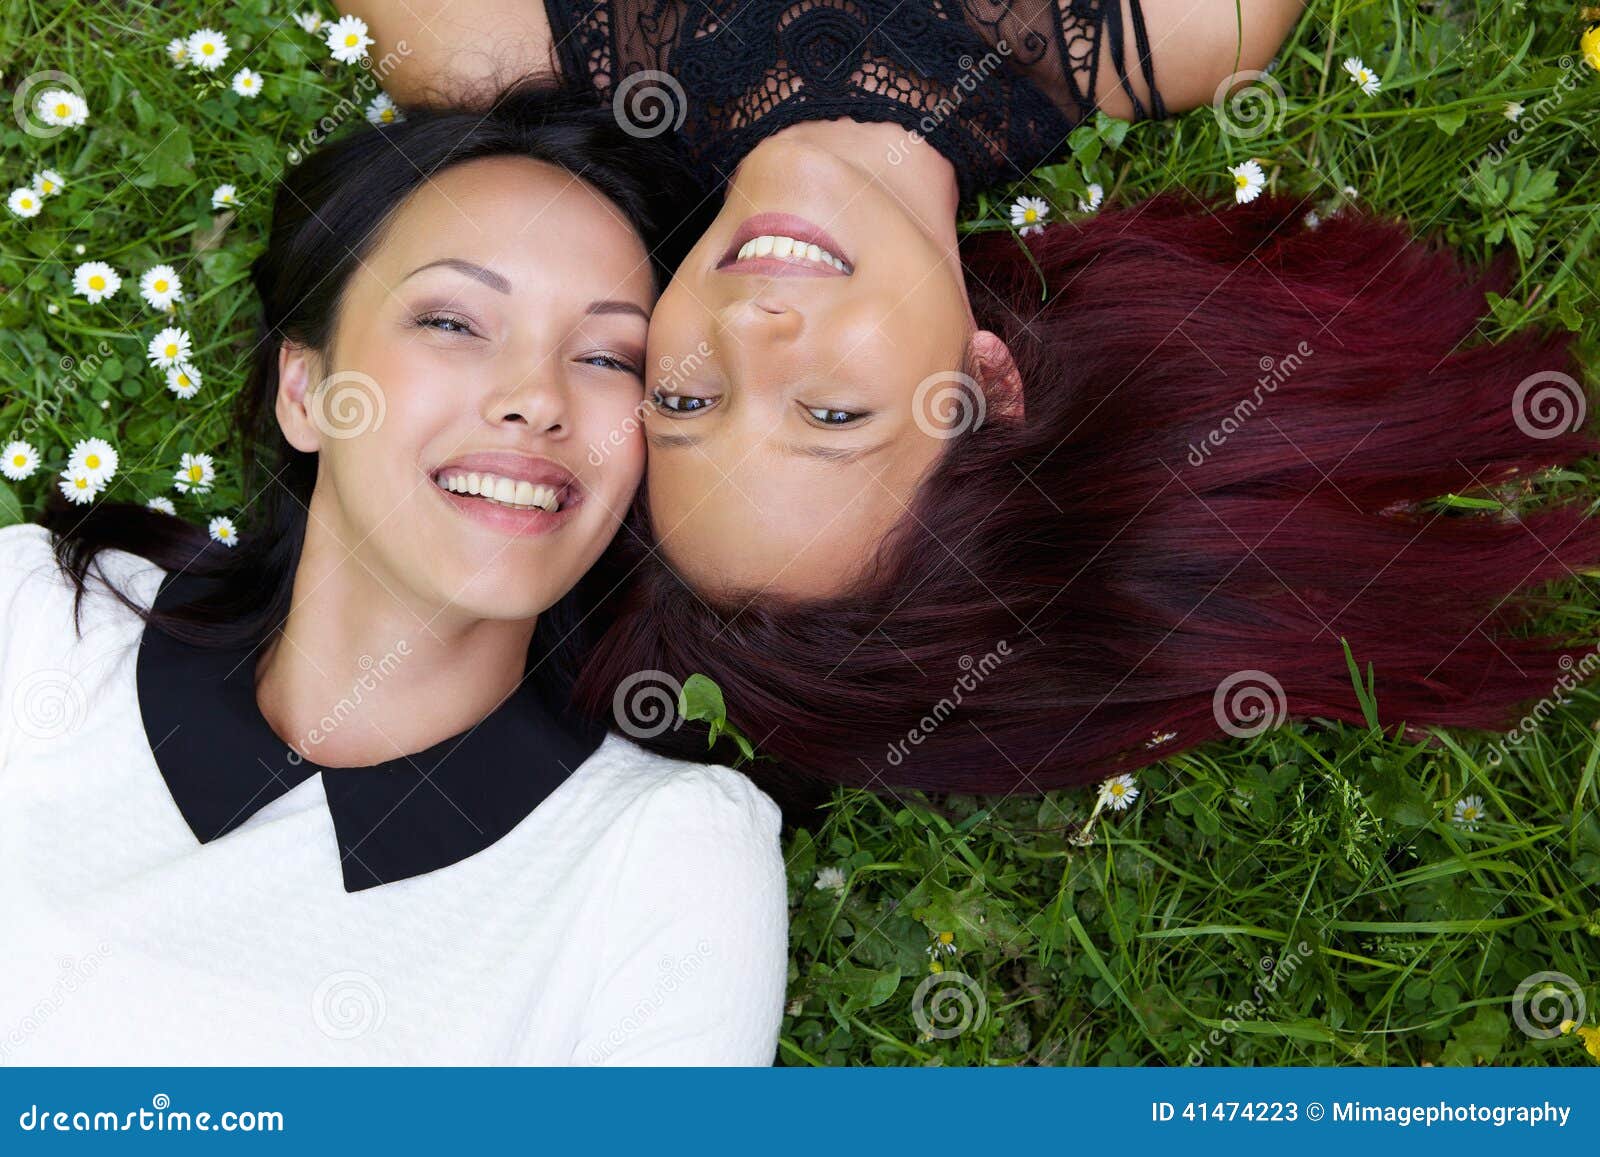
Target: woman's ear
[[297, 371], [996, 374]]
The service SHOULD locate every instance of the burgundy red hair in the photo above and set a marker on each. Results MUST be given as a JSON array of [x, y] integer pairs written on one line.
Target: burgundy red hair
[[1145, 537]]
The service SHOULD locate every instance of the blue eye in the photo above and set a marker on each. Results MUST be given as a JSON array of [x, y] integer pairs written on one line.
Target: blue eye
[[610, 362], [440, 321]]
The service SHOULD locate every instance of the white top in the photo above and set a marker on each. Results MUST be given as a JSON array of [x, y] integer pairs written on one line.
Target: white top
[[637, 915]]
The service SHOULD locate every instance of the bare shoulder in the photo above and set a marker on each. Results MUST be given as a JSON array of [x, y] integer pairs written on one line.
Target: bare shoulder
[[1195, 45], [456, 53]]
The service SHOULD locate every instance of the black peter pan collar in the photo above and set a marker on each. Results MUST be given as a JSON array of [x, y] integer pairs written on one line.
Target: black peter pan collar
[[223, 762]]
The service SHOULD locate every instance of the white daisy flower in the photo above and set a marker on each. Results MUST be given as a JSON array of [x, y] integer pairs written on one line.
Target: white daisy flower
[[1312, 220], [163, 504], [1096, 195], [95, 280], [348, 39], [79, 249], [222, 530], [1118, 792], [224, 197], [25, 202], [308, 20], [48, 182], [62, 108], [195, 472], [1248, 181], [208, 49], [382, 110], [1512, 110], [183, 380], [1028, 214], [95, 459], [105, 403], [169, 347], [178, 51], [1469, 810], [1350, 192], [160, 286], [1366, 80], [18, 460], [77, 486], [830, 880], [52, 309], [247, 83]]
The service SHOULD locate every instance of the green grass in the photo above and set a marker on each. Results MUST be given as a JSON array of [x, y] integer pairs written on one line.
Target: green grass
[[1303, 896]]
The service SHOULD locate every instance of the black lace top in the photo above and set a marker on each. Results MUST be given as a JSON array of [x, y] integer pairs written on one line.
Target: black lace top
[[994, 85]]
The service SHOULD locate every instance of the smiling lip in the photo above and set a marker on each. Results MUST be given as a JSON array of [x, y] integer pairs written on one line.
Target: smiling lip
[[522, 467], [783, 225]]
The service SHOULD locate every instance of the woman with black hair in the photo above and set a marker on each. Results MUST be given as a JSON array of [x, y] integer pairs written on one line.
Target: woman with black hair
[[317, 797]]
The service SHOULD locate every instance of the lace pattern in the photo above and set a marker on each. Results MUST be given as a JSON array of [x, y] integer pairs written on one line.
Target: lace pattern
[[994, 85]]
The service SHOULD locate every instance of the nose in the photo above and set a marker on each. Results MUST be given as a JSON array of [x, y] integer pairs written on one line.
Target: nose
[[761, 323], [538, 398]]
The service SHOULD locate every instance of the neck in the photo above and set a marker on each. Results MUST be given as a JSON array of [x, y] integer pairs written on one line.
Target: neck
[[362, 672]]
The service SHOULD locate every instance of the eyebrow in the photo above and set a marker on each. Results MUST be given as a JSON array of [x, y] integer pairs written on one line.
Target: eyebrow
[[500, 285], [665, 441], [488, 276]]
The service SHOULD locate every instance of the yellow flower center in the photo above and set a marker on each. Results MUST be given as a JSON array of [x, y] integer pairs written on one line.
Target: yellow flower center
[[1117, 789], [97, 282], [47, 186], [20, 460], [172, 350], [183, 379], [1241, 180], [1030, 215], [160, 285], [92, 461], [386, 116], [81, 483], [194, 473], [62, 108], [222, 532], [351, 40], [208, 49]]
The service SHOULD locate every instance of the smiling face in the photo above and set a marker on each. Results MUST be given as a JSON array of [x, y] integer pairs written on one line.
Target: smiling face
[[788, 431], [493, 335]]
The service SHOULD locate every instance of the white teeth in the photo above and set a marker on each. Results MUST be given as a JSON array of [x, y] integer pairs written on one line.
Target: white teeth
[[773, 245], [507, 491]]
